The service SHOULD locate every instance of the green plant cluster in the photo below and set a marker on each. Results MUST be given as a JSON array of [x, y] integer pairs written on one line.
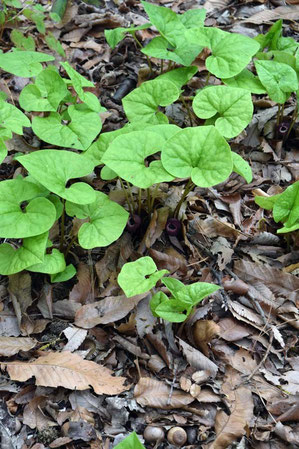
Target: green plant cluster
[[148, 150]]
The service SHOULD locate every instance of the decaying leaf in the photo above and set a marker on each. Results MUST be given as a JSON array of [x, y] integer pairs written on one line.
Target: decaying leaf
[[34, 417], [108, 310], [66, 370], [12, 345], [231, 427], [152, 393]]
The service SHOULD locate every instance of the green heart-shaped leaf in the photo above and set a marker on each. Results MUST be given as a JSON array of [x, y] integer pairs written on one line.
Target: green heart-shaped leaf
[[139, 276], [241, 167], [201, 153], [78, 82], [278, 78], [179, 76], [167, 308], [23, 63], [84, 126], [65, 275], [12, 119], [46, 94], [286, 207], [246, 80], [230, 52], [53, 263], [230, 108], [22, 42], [31, 252], [181, 53], [114, 36], [142, 103], [37, 217], [107, 221], [57, 168], [129, 163]]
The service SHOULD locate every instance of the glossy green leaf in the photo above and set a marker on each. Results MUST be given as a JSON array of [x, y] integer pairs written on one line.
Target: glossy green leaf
[[12, 119], [266, 202], [246, 80], [270, 39], [126, 156], [201, 153], [192, 294], [79, 133], [170, 311], [230, 52], [22, 42], [3, 150], [37, 217], [179, 76], [142, 103], [57, 168], [241, 167], [65, 275], [114, 36], [107, 221], [229, 108], [45, 94], [31, 252], [139, 276], [130, 442], [78, 82], [279, 79], [52, 264], [23, 63], [193, 18], [286, 207], [287, 44]]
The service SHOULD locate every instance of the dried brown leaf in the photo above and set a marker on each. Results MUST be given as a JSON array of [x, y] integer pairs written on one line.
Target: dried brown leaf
[[269, 15], [286, 433], [108, 310], [154, 229], [12, 345], [66, 370], [171, 262], [19, 287], [231, 427], [152, 393], [81, 291], [33, 415], [231, 330], [204, 331], [197, 360]]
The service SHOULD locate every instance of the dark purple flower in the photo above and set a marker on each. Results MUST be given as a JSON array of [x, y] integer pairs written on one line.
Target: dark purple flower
[[173, 226], [134, 223]]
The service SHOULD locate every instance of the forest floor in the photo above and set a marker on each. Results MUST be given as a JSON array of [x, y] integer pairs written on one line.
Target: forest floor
[[229, 375]]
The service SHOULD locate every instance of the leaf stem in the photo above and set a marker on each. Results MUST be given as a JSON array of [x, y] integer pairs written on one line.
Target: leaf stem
[[161, 67], [73, 239], [148, 192], [154, 195], [293, 121], [139, 44], [139, 201], [127, 197], [62, 227], [189, 186], [207, 79], [187, 107]]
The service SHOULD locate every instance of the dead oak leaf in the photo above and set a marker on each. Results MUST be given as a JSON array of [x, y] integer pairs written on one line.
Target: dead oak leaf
[[67, 370]]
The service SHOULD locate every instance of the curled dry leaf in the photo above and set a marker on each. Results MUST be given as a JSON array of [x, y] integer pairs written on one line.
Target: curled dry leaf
[[231, 427], [169, 261], [66, 370], [269, 15], [155, 228], [108, 310], [75, 338], [204, 331], [34, 416], [81, 292], [231, 330], [12, 345], [19, 288], [152, 393]]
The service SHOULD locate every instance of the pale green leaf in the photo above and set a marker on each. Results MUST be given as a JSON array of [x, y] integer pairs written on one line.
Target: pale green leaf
[[45, 94], [22, 42], [139, 276], [107, 221], [142, 103], [12, 119], [179, 76], [286, 207], [37, 217], [31, 252], [246, 80], [114, 36], [231, 52], [230, 108], [278, 78], [65, 275], [201, 153], [241, 167], [23, 63], [126, 156], [130, 442], [52, 264], [79, 133], [54, 44], [57, 168]]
